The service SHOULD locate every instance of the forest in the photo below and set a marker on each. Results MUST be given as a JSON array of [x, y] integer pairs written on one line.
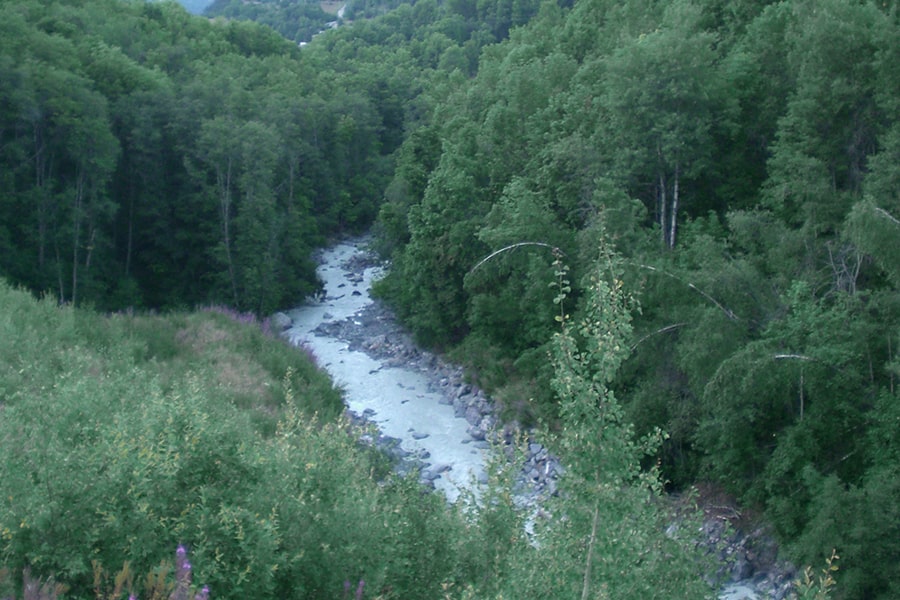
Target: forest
[[664, 232]]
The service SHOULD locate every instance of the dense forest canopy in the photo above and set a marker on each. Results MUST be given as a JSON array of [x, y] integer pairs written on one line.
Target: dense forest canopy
[[742, 158], [156, 159], [297, 21]]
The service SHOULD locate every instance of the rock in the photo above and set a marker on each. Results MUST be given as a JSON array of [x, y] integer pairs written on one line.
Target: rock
[[377, 343], [435, 471], [741, 569], [552, 488], [477, 433], [280, 321], [473, 415]]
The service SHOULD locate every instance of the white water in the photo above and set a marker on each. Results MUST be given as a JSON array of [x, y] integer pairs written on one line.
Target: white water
[[403, 407], [738, 591]]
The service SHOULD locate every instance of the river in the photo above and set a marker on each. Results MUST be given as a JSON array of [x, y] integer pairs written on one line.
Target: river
[[402, 400]]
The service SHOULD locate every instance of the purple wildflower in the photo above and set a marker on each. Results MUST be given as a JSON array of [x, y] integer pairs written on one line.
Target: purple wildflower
[[203, 594], [359, 589], [182, 575]]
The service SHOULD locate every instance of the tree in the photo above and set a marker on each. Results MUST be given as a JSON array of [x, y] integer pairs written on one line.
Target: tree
[[604, 538], [94, 150], [663, 96], [829, 130], [874, 223], [220, 151], [427, 278], [257, 234]]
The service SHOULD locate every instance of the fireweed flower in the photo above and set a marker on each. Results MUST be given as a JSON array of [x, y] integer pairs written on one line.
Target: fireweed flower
[[359, 589], [182, 575]]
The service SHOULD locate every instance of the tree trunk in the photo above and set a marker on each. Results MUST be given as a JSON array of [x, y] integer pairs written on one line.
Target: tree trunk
[[90, 246], [225, 215], [663, 208], [76, 229], [586, 584], [130, 240], [59, 274], [673, 228], [43, 173]]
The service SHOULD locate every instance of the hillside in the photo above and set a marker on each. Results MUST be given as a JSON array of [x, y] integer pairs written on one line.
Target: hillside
[[195, 7], [665, 233]]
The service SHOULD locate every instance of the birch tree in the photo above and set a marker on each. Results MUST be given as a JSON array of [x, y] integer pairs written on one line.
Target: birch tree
[[663, 96], [605, 537], [219, 150]]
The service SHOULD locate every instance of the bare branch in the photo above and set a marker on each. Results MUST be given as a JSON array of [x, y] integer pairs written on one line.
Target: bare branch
[[887, 215], [804, 358], [511, 247], [727, 311], [793, 357], [665, 329]]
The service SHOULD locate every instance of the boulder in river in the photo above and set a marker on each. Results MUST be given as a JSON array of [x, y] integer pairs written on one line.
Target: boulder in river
[[280, 321]]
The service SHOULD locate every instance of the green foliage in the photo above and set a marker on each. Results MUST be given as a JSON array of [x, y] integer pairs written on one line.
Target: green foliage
[[296, 21], [152, 158], [842, 514], [811, 587], [759, 142], [604, 536], [125, 436]]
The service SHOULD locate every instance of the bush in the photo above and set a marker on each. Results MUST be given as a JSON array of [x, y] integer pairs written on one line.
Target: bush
[[112, 451]]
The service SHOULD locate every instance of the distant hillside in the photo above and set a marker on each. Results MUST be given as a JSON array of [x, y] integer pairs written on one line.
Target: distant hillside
[[195, 6]]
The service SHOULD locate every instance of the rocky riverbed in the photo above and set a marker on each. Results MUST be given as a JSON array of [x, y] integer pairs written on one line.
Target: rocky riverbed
[[431, 419]]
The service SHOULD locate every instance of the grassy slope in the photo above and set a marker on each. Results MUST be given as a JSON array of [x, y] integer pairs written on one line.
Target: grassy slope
[[124, 435]]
